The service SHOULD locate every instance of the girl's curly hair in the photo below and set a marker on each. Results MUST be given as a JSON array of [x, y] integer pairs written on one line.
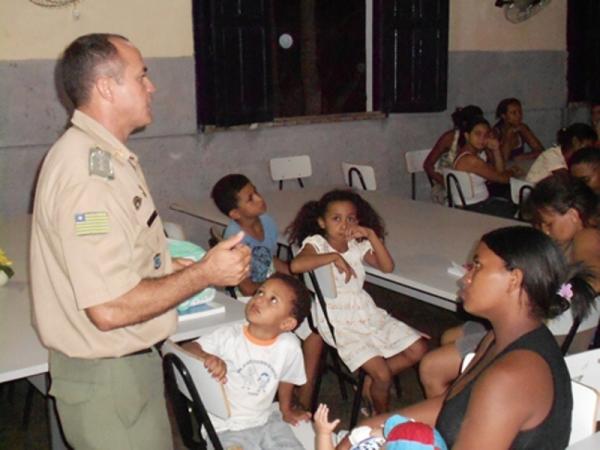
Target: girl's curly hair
[[306, 222]]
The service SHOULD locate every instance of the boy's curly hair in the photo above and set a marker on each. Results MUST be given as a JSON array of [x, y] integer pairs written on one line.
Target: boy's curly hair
[[306, 222]]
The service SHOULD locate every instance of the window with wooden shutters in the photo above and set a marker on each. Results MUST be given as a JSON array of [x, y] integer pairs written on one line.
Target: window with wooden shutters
[[266, 60], [415, 55]]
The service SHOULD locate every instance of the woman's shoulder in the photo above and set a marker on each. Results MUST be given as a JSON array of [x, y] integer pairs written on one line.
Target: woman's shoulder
[[466, 159], [515, 372], [588, 238]]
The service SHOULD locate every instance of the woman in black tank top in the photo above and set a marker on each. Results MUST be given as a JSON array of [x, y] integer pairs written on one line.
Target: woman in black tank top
[[516, 392]]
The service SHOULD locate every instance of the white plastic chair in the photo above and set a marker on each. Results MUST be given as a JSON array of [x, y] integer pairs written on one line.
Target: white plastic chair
[[290, 167], [585, 411], [365, 175], [174, 231], [414, 164], [584, 368], [519, 190], [458, 186]]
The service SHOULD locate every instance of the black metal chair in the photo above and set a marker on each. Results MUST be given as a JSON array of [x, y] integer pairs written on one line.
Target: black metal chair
[[331, 360], [185, 410], [336, 365]]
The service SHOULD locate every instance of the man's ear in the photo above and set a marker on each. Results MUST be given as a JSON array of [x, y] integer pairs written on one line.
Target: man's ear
[[103, 86], [234, 214], [288, 324]]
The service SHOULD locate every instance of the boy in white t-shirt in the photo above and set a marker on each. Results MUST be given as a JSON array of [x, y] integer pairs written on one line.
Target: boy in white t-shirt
[[255, 361]]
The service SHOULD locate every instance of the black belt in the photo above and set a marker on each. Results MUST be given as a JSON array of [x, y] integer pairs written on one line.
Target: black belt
[[143, 351]]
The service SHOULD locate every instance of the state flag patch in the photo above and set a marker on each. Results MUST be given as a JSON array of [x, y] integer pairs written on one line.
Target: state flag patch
[[91, 223]]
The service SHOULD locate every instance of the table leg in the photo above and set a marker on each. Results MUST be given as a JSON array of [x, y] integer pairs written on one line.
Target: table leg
[[41, 383]]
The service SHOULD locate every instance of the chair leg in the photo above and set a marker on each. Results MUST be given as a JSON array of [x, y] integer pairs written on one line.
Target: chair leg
[[300, 182], [337, 368], [280, 185], [314, 401], [397, 387], [28, 405], [357, 398], [413, 185]]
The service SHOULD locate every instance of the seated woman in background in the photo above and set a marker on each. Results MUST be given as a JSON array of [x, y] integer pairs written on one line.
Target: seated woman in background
[[477, 139], [513, 134], [569, 141], [444, 151], [516, 392], [565, 209], [585, 165]]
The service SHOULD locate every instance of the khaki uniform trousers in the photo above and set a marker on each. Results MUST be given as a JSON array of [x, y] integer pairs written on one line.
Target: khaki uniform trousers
[[111, 403]]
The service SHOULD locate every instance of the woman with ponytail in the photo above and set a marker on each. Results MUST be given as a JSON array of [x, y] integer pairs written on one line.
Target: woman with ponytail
[[516, 391], [444, 151]]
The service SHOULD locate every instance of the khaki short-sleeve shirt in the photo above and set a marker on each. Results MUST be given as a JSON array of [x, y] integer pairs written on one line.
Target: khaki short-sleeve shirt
[[95, 235]]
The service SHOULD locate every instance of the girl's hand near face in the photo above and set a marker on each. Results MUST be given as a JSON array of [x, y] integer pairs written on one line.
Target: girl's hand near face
[[358, 232]]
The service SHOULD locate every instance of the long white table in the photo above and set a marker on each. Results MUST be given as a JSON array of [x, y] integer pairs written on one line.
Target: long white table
[[21, 352], [423, 238]]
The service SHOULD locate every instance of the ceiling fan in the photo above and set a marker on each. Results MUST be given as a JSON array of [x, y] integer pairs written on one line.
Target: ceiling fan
[[517, 11]]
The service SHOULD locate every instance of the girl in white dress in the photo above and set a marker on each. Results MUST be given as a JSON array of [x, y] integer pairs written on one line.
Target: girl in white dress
[[344, 230]]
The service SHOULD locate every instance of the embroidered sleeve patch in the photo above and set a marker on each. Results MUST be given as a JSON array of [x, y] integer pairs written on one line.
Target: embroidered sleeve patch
[[91, 223]]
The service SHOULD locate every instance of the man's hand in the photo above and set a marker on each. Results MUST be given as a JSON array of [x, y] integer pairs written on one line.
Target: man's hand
[[228, 262], [294, 416]]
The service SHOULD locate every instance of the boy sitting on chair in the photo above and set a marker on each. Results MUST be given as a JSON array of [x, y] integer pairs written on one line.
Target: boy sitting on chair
[[237, 198], [256, 360]]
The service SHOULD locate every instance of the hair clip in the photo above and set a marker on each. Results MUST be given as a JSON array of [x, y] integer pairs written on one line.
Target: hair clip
[[566, 291]]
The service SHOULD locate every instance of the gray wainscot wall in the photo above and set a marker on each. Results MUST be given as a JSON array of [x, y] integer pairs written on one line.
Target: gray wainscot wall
[[182, 164]]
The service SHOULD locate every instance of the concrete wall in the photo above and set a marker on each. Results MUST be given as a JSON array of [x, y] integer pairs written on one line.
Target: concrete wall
[[489, 59]]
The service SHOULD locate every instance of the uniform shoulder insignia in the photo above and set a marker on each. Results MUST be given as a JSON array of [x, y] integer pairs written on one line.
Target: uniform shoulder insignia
[[100, 163]]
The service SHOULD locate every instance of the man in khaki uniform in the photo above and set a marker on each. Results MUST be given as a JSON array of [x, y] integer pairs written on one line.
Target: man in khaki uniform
[[104, 285]]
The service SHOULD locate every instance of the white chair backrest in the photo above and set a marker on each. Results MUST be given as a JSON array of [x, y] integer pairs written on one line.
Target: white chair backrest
[[174, 231], [354, 172], [415, 159], [516, 184], [584, 368], [290, 167], [324, 276], [585, 411], [210, 391], [464, 181]]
